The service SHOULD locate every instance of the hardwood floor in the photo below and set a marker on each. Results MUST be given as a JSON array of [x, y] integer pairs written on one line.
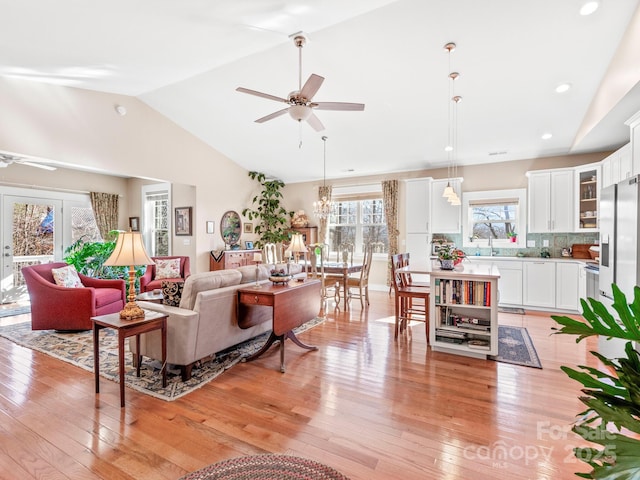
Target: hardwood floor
[[367, 405]]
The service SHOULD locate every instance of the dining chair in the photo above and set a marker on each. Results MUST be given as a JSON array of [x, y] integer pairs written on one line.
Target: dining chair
[[345, 253], [318, 254], [361, 280], [411, 300]]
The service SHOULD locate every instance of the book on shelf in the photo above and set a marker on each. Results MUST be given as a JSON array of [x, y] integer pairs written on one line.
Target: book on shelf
[[462, 292], [479, 344]]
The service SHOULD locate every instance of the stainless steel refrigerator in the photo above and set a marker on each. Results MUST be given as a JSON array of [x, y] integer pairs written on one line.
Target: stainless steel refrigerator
[[619, 247]]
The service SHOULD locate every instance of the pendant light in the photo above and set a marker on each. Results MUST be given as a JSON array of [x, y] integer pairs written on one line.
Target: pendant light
[[452, 146], [322, 207]]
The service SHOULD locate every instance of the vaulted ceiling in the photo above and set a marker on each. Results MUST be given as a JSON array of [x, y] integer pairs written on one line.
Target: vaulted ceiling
[[186, 59]]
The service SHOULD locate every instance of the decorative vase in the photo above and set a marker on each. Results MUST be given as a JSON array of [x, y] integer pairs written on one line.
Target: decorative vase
[[446, 264]]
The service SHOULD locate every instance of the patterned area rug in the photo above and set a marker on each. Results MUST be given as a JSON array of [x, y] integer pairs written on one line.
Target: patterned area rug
[[515, 346], [10, 312], [266, 467], [77, 348]]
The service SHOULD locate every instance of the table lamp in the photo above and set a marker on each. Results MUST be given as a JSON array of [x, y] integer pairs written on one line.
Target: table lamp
[[129, 251], [296, 246]]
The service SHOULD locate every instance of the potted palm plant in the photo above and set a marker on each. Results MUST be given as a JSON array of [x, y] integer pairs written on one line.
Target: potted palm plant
[[612, 396]]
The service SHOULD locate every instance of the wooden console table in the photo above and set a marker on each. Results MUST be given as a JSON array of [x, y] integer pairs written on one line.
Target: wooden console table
[[292, 304], [128, 328]]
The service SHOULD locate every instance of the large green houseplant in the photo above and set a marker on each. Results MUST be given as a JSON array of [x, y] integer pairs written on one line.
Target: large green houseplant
[[612, 397], [273, 226]]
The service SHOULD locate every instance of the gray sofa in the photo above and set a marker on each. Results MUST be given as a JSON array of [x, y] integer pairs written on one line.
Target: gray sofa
[[206, 321]]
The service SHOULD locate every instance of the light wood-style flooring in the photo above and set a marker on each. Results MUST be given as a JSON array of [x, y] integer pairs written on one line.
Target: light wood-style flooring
[[369, 406]]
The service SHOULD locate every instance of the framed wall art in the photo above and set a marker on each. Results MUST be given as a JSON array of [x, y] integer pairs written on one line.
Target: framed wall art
[[183, 221], [248, 227], [134, 224], [211, 226]]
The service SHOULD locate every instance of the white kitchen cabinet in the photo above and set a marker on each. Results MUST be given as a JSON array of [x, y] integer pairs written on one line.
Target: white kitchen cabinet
[[419, 248], [417, 200], [587, 190], [568, 285], [445, 218], [617, 166], [634, 145], [510, 282], [539, 284], [551, 201]]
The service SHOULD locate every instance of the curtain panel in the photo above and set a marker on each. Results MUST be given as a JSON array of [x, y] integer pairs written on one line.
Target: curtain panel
[[390, 199], [105, 210]]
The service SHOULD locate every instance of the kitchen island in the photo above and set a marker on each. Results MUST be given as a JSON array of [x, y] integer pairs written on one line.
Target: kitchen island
[[463, 310]]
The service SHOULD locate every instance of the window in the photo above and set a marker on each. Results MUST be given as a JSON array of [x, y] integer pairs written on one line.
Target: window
[[494, 215], [156, 219], [358, 222], [496, 220]]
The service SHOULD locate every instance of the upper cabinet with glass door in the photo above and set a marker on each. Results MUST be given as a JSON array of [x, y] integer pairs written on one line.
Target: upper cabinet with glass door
[[587, 190]]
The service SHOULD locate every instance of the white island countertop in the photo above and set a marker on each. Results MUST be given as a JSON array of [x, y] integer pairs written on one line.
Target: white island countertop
[[468, 270]]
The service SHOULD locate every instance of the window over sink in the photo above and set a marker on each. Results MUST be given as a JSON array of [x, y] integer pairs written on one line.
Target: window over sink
[[495, 217]]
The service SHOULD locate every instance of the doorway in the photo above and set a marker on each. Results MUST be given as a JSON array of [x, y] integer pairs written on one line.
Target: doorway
[[31, 234]]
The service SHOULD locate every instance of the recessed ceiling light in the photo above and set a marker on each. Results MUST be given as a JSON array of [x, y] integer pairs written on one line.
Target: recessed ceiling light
[[448, 148], [563, 87], [546, 136], [589, 7]]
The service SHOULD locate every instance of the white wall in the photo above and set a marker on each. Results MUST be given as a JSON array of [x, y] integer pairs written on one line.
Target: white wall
[[81, 127]]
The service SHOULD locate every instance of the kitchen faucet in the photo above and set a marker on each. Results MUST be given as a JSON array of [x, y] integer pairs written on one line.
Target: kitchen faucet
[[492, 252]]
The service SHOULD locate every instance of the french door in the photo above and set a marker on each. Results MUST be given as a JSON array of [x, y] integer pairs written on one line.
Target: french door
[[31, 234]]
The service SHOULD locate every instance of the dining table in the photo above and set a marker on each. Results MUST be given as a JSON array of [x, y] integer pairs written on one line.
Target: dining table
[[343, 269]]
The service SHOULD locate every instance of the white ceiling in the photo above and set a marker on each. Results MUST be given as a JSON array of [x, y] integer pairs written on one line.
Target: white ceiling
[[186, 58]]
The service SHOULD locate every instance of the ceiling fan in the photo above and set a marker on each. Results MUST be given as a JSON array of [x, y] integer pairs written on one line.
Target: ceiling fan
[[300, 101], [6, 160]]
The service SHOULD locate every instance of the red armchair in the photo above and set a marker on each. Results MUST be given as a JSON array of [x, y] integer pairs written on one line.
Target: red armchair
[[148, 281], [59, 308]]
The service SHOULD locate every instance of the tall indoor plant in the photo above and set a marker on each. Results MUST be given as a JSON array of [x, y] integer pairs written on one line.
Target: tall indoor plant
[[273, 217], [612, 397]]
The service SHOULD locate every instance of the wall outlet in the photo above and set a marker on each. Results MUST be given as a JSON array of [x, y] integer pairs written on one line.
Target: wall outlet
[[545, 243], [186, 241], [531, 243]]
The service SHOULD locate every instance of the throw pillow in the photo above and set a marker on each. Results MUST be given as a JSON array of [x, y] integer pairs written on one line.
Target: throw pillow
[[167, 268], [172, 293], [67, 277]]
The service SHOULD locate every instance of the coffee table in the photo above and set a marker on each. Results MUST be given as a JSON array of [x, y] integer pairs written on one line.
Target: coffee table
[[291, 304], [128, 328]]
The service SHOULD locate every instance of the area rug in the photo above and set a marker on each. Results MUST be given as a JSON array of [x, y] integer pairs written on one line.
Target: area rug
[[515, 346], [77, 348], [10, 312], [266, 467]]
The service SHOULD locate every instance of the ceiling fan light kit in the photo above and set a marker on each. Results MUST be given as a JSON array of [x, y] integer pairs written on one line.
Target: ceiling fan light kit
[[322, 207], [300, 101]]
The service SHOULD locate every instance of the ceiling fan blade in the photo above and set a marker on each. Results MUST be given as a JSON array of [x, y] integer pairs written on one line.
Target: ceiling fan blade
[[315, 122], [260, 94], [338, 106], [272, 115], [311, 86], [39, 165]]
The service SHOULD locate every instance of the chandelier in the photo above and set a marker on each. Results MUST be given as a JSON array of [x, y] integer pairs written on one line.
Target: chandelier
[[322, 207]]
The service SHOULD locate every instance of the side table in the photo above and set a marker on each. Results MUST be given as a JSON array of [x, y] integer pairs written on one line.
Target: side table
[[128, 328], [291, 305]]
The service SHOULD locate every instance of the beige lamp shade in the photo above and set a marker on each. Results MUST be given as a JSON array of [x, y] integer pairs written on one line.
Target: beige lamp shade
[[297, 244], [129, 250]]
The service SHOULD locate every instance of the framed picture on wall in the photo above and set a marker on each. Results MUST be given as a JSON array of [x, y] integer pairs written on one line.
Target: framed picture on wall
[[134, 224], [183, 221], [211, 226], [248, 228]]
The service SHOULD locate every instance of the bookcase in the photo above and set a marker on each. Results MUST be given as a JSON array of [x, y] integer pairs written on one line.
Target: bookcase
[[463, 313]]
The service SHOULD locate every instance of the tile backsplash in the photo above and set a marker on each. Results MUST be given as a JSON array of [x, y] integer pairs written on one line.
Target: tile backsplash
[[557, 241]]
